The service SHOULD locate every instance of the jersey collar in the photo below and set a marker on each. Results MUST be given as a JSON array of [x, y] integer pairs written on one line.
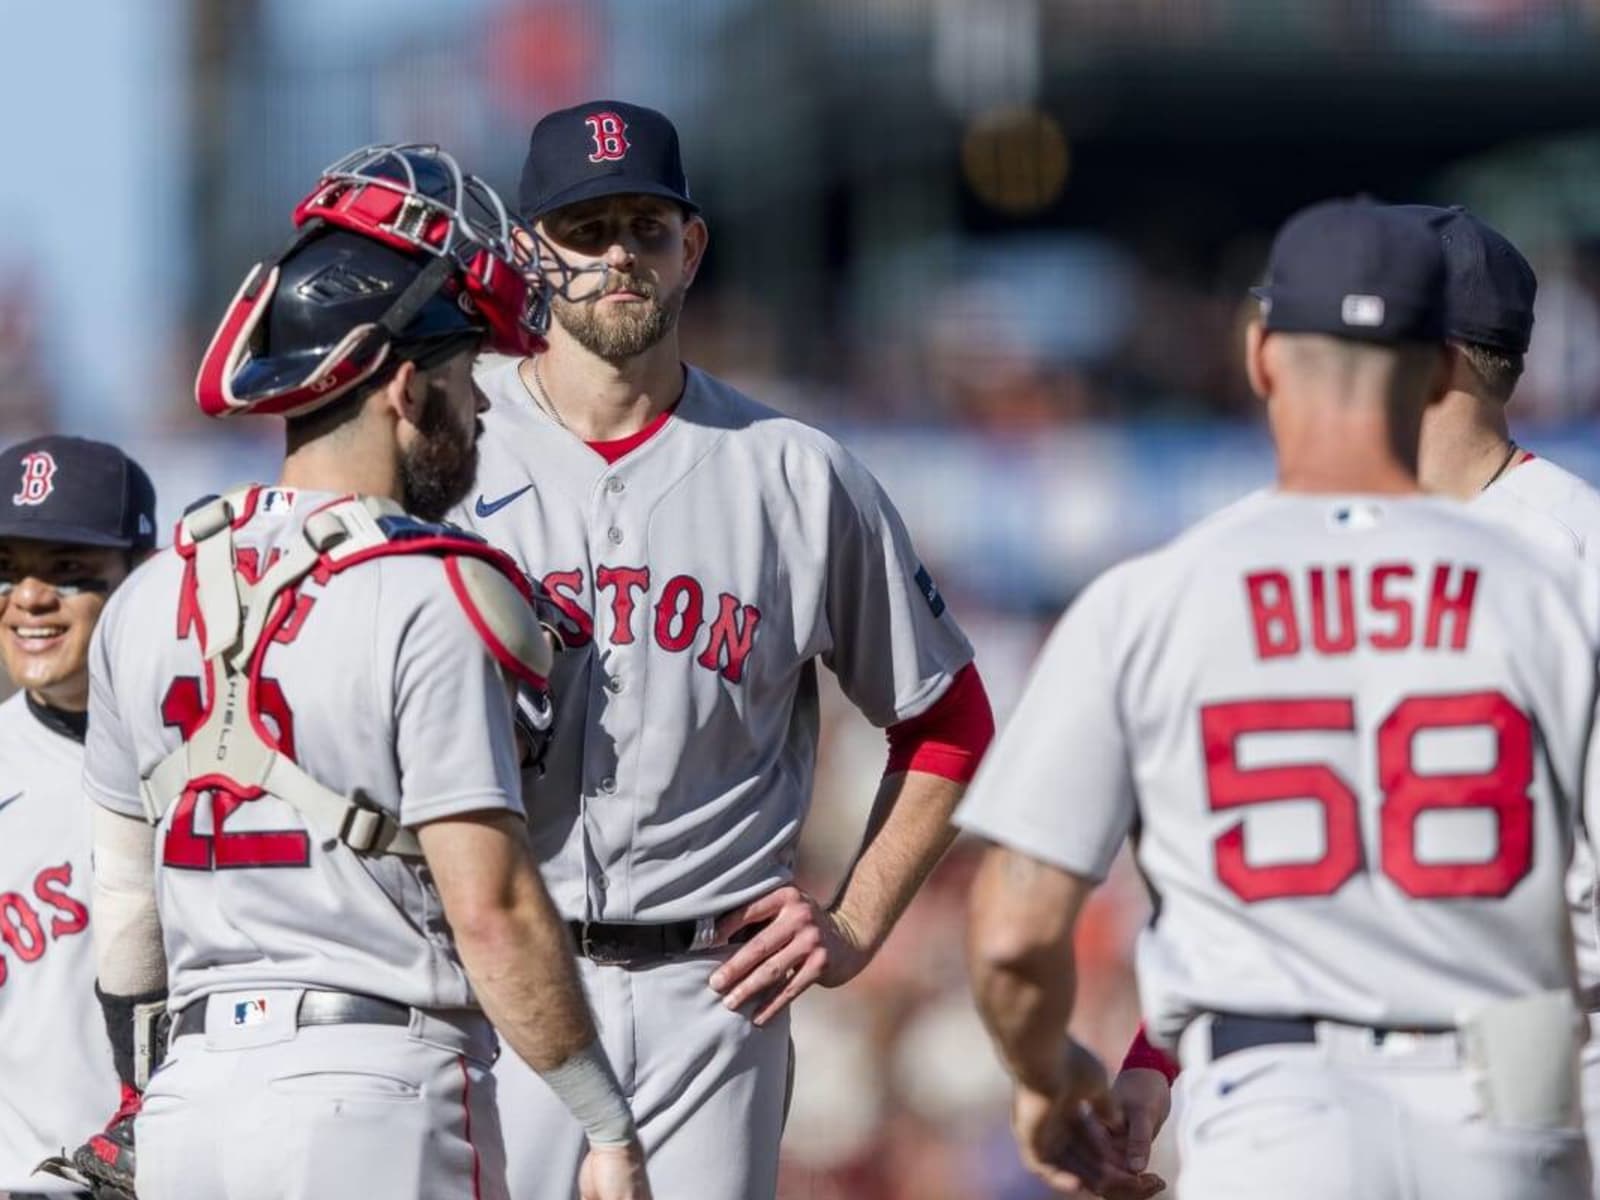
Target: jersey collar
[[73, 725]]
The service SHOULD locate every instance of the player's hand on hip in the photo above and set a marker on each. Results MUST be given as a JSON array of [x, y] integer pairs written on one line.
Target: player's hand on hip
[[1069, 1139], [614, 1173], [800, 943]]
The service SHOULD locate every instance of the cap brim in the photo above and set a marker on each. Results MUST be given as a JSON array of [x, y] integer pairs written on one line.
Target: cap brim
[[70, 535], [605, 185]]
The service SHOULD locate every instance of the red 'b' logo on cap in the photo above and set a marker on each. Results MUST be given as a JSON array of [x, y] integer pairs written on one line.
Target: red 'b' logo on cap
[[610, 137], [38, 469]]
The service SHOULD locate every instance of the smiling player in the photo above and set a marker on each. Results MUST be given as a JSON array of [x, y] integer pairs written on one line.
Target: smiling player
[[74, 517]]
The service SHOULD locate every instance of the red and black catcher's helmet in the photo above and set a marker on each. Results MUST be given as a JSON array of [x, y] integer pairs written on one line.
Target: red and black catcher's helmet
[[397, 255]]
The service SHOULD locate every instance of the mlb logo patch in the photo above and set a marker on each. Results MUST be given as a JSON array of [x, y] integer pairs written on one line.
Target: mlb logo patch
[[1364, 312], [275, 500], [1355, 517], [249, 1012]]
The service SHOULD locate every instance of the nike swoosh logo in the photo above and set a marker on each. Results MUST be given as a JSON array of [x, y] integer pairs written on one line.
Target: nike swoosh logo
[[1230, 1085], [9, 799], [494, 506]]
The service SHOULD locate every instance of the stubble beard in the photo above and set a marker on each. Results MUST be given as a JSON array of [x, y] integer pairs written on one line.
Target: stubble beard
[[621, 331]]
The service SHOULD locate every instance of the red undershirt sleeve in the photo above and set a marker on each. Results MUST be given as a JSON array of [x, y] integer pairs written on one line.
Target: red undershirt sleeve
[[948, 739], [1142, 1055]]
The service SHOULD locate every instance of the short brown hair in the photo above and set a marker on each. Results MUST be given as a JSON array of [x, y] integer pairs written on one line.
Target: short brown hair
[[1498, 370]]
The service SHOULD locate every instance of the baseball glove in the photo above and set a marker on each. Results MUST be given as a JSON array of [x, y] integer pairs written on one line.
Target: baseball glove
[[104, 1165]]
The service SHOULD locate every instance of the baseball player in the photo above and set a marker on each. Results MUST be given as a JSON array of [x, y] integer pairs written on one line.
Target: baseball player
[[705, 553], [301, 744], [1467, 452], [75, 515], [1350, 721]]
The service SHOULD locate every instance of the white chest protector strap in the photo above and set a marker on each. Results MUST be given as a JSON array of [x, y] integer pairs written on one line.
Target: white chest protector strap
[[235, 614]]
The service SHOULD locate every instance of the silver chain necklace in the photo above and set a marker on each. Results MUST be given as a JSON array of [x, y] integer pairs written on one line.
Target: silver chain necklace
[[541, 396]]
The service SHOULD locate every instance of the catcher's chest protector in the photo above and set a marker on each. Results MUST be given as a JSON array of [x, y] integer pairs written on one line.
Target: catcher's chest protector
[[233, 753]]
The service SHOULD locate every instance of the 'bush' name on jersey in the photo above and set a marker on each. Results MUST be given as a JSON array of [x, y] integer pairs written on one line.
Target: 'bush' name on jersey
[[1387, 606]]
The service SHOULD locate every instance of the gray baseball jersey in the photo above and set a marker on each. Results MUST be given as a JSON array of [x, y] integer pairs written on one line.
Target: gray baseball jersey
[[380, 682], [1351, 731], [58, 1082], [700, 576], [1557, 509]]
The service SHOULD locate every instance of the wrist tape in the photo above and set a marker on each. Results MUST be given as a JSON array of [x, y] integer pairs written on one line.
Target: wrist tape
[[586, 1084]]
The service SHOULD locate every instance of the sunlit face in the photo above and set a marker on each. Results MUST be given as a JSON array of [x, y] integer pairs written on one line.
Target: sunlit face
[[440, 459], [53, 595], [634, 257]]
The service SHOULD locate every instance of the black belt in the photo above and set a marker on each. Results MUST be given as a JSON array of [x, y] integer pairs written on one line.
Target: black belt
[[316, 1008], [1233, 1032], [615, 944]]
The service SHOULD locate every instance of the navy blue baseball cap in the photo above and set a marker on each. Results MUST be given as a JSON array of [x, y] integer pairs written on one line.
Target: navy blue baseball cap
[[603, 148], [1355, 269], [73, 490], [1490, 285]]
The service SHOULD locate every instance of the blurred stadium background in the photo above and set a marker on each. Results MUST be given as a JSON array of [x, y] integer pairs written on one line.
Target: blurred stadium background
[[999, 246]]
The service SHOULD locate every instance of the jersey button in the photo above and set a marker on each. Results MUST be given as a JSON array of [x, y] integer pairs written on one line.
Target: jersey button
[[601, 882], [614, 485], [615, 535], [614, 684], [608, 785]]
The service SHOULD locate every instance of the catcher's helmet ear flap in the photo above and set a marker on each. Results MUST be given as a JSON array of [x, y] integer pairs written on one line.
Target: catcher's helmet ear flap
[[398, 255]]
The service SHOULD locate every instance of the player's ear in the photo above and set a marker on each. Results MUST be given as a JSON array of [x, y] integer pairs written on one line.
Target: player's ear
[[404, 394], [1255, 359], [696, 237]]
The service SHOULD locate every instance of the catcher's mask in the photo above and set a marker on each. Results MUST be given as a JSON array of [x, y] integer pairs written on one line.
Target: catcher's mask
[[396, 253]]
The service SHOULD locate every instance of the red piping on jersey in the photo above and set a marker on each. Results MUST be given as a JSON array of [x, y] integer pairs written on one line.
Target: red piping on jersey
[[948, 740], [496, 647], [614, 449], [466, 1117], [1142, 1055]]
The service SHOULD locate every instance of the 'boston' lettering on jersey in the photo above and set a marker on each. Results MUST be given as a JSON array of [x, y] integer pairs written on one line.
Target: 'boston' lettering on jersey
[[22, 927], [1388, 597], [679, 611]]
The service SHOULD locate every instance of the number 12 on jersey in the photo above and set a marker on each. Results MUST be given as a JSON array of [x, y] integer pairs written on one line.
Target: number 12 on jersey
[[1502, 790]]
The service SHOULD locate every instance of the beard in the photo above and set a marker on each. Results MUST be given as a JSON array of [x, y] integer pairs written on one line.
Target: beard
[[620, 332], [437, 470]]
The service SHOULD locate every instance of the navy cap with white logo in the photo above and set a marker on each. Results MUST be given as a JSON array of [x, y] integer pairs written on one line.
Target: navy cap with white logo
[[603, 148], [77, 491], [1355, 269], [1491, 286]]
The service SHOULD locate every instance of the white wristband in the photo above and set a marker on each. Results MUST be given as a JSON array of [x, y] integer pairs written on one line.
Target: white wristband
[[586, 1084]]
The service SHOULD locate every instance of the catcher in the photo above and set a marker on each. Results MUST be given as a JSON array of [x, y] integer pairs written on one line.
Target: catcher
[[309, 825]]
